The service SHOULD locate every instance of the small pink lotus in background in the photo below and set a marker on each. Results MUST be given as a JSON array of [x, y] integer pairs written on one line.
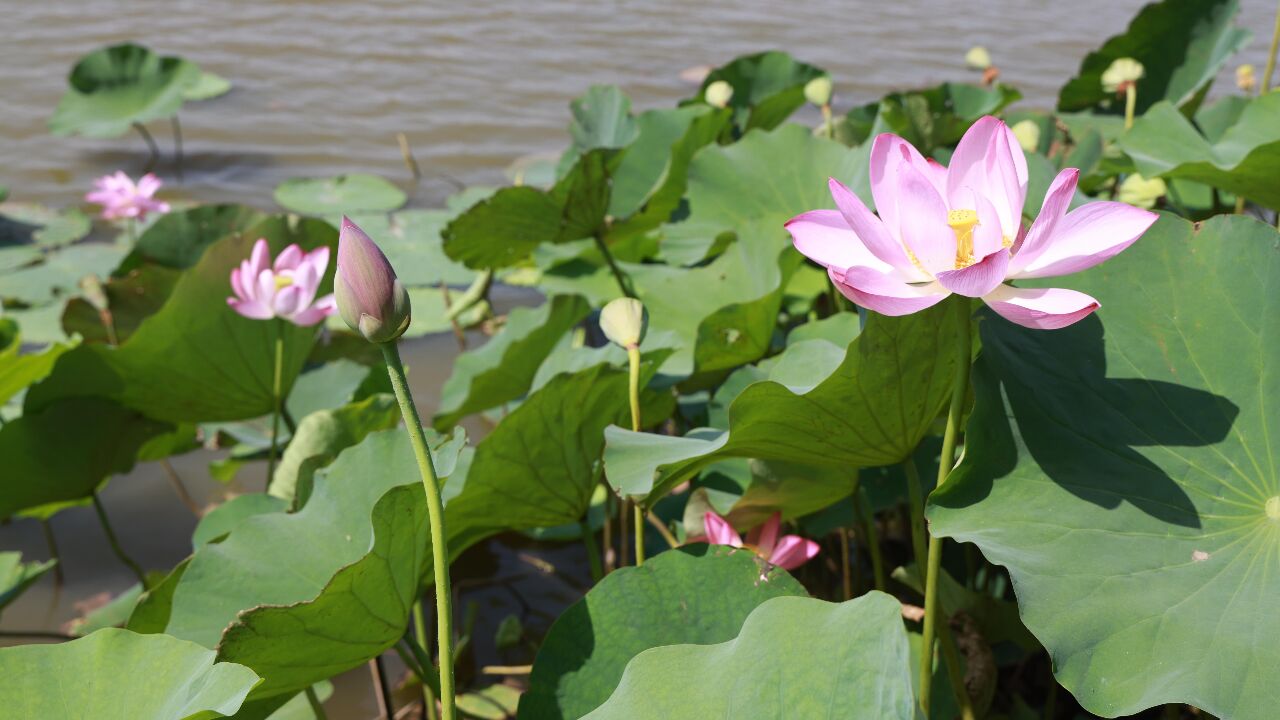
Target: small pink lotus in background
[[958, 229], [788, 552], [120, 197], [284, 289]]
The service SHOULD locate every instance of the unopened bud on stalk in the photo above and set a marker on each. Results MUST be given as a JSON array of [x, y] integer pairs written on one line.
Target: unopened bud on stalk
[[624, 322], [978, 58], [1028, 134], [370, 298], [1122, 73], [718, 94], [1246, 78], [818, 91], [1141, 192]]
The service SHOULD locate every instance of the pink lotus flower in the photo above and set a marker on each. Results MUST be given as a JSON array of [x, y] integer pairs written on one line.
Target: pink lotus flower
[[788, 552], [285, 289], [121, 198], [958, 229]]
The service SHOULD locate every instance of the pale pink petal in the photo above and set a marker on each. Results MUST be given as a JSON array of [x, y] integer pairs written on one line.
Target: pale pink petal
[[979, 278], [318, 258], [1054, 208], [288, 259], [764, 536], [286, 302], [266, 288], [990, 161], [824, 237], [236, 287], [307, 280], [1087, 236], [259, 257], [923, 222], [719, 531], [886, 294], [1040, 308], [872, 232], [793, 551], [250, 309], [321, 309], [889, 154], [148, 185]]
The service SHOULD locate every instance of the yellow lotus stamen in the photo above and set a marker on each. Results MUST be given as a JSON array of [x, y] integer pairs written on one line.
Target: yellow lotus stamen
[[962, 223], [1006, 241], [283, 281]]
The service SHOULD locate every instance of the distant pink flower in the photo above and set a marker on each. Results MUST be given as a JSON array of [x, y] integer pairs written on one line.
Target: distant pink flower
[[958, 229], [121, 198], [788, 552], [285, 289]]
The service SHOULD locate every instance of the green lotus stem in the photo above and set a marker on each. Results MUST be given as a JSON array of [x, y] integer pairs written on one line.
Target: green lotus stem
[[115, 541], [314, 701], [618, 275], [177, 145], [827, 123], [1271, 55], [868, 522], [276, 403], [381, 689], [846, 578], [1130, 103], [656, 522], [54, 555], [633, 386], [959, 388], [915, 500], [593, 552], [435, 512], [151, 145]]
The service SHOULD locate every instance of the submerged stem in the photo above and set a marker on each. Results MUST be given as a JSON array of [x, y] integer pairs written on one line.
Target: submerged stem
[[115, 541], [276, 402], [435, 514], [959, 389]]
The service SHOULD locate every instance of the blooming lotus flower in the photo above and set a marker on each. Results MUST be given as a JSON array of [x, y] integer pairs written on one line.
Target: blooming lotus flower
[[958, 229], [284, 289], [788, 552], [120, 197]]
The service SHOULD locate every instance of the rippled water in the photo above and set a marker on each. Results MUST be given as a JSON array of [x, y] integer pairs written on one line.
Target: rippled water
[[323, 88]]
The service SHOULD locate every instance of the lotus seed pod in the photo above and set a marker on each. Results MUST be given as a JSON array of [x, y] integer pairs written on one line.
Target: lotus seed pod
[[1028, 134], [978, 58], [370, 297], [818, 91], [718, 94], [624, 322], [1141, 192], [1246, 78], [1121, 73]]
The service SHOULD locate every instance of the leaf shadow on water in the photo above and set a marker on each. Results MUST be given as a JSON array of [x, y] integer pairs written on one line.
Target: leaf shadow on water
[[1080, 426]]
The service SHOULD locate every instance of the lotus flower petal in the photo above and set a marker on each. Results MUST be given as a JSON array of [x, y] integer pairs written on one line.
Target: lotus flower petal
[[1040, 308]]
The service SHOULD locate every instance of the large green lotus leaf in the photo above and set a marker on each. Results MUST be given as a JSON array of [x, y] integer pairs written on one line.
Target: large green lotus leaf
[[602, 119], [178, 239], [340, 194], [411, 241], [872, 410], [325, 433], [547, 453], [59, 272], [131, 299], [1122, 469], [27, 230], [117, 86], [767, 87], [18, 369], [1245, 161], [196, 359], [795, 657], [207, 86], [224, 518], [502, 369], [16, 576], [502, 229], [698, 594], [651, 176], [65, 450], [120, 675], [1182, 44], [312, 593], [928, 119]]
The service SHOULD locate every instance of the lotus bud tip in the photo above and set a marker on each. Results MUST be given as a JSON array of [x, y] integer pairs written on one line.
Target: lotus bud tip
[[718, 94], [370, 298], [624, 321]]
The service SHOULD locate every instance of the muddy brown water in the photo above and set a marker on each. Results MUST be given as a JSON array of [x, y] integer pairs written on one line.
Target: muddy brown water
[[323, 88]]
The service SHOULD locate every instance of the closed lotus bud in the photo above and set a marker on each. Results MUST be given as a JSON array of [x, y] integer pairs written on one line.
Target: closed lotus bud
[[1028, 134], [1246, 78], [1141, 192], [370, 298], [978, 58], [1122, 73], [624, 322], [818, 91], [718, 94]]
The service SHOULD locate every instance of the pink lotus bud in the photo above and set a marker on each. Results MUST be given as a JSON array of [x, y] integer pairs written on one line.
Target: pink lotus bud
[[370, 298]]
